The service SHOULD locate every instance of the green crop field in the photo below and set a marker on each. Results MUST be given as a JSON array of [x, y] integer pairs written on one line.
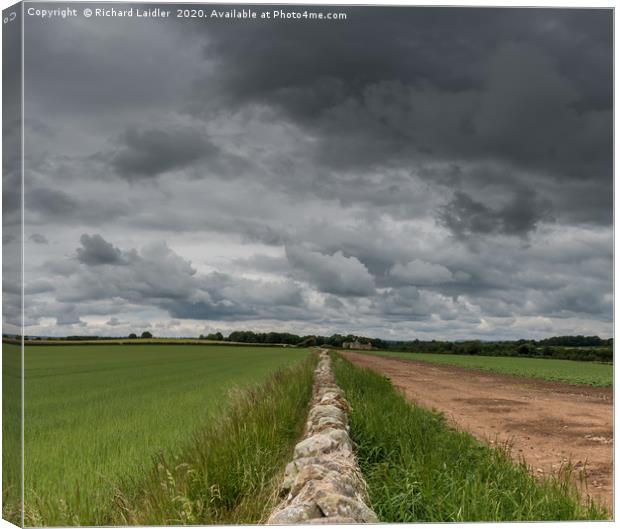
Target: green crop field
[[97, 414], [11, 432], [571, 371]]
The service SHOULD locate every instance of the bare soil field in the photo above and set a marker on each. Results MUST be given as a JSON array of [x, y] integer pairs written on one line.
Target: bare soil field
[[547, 423]]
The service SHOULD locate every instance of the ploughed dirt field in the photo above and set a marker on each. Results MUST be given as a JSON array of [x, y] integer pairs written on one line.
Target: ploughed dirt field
[[547, 423]]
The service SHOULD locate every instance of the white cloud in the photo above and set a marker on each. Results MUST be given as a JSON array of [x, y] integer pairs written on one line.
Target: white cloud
[[333, 274]]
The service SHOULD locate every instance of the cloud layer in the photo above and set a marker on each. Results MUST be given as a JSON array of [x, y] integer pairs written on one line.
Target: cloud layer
[[408, 172]]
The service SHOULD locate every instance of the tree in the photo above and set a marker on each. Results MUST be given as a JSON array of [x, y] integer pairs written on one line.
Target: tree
[[523, 350], [146, 334], [310, 341], [133, 335]]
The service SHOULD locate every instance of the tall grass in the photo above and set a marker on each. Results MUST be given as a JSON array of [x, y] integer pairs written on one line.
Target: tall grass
[[229, 472], [418, 469]]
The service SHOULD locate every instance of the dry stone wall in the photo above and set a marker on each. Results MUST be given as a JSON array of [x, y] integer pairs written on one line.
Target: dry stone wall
[[323, 483]]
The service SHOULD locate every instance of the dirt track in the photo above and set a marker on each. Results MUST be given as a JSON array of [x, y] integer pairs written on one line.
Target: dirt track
[[547, 423]]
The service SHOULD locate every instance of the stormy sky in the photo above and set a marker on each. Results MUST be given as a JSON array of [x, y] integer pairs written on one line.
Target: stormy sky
[[407, 173]]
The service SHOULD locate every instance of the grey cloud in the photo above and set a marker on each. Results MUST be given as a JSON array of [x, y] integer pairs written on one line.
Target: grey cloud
[[218, 296], [374, 244], [11, 197], [51, 202], [37, 126], [151, 152], [264, 263], [283, 293], [585, 298], [328, 176], [96, 251], [257, 232], [418, 272], [156, 275], [465, 216], [334, 274], [232, 298], [38, 286], [44, 204], [333, 302], [401, 304], [69, 318], [446, 45], [63, 268], [99, 69], [458, 85], [37, 238]]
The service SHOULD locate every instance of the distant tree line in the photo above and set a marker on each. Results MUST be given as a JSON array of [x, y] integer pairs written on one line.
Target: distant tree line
[[587, 348], [577, 341], [145, 334], [335, 340]]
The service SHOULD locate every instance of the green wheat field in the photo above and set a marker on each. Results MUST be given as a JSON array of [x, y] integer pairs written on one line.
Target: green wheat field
[[570, 371], [98, 414]]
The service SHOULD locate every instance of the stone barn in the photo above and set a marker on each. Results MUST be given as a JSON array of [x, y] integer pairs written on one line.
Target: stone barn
[[357, 345]]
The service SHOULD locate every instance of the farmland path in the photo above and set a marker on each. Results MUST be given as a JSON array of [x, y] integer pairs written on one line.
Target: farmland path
[[547, 423]]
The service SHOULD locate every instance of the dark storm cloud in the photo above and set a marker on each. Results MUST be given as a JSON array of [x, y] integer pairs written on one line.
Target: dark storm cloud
[[453, 85], [95, 250], [446, 46], [150, 152], [409, 170], [100, 66], [465, 216], [11, 177]]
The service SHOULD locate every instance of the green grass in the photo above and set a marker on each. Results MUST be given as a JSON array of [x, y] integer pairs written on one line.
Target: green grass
[[231, 471], [570, 371], [420, 470], [11, 433], [97, 414]]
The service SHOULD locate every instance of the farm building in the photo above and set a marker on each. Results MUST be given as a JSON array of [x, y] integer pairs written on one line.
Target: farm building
[[356, 345]]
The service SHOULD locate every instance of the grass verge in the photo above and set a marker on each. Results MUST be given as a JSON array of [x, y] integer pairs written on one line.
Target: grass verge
[[229, 473], [420, 470]]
